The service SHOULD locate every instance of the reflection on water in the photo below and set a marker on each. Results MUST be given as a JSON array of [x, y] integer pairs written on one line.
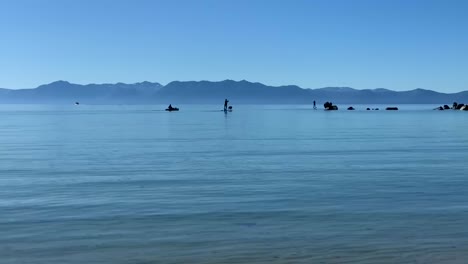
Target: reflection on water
[[273, 184]]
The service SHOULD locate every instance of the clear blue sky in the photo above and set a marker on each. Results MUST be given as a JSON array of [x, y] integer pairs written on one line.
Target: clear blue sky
[[395, 44]]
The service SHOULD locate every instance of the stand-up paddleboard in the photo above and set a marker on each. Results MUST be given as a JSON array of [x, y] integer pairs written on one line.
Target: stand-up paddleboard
[[229, 109]]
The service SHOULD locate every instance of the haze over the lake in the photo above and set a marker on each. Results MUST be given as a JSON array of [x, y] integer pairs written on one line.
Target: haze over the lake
[[364, 44]]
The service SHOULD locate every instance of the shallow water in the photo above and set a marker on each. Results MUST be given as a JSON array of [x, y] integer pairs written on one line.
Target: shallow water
[[263, 184]]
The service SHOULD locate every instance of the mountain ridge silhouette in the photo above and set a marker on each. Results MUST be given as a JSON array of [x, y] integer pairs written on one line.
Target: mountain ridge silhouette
[[200, 92]]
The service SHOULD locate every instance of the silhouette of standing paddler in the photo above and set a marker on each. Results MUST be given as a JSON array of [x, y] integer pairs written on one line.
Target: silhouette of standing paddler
[[226, 101]]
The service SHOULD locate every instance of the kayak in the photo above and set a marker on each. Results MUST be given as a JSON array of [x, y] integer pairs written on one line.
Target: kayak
[[173, 109]]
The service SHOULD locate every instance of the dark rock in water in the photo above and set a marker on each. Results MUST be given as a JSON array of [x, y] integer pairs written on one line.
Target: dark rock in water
[[230, 108], [446, 107], [350, 108], [464, 108], [391, 108], [439, 108], [459, 106], [454, 105], [368, 109], [330, 106], [77, 103], [376, 109]]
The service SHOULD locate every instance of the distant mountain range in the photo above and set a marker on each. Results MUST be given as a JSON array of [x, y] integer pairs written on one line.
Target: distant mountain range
[[201, 92]]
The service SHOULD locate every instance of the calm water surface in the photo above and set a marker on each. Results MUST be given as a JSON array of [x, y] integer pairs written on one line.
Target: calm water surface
[[269, 184]]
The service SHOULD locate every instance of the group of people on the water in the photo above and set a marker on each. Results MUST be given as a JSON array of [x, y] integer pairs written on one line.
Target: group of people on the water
[[327, 105], [226, 107], [330, 106]]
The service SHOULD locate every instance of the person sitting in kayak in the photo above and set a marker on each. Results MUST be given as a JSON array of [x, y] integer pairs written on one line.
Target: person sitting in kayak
[[226, 101], [170, 107]]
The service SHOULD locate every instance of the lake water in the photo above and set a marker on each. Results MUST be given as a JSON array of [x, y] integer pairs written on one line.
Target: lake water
[[263, 184]]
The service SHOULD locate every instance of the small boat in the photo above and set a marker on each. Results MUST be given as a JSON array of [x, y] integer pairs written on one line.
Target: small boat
[[172, 109]]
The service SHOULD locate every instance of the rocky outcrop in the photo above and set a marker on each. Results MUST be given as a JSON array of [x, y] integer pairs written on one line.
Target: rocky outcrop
[[392, 108], [351, 108], [455, 106], [330, 106]]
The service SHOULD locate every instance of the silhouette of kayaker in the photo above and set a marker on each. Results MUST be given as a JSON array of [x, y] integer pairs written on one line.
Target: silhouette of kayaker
[[315, 106], [226, 101], [170, 107]]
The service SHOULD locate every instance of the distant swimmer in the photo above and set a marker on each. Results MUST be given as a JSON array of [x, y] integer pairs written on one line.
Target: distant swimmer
[[315, 105], [226, 101]]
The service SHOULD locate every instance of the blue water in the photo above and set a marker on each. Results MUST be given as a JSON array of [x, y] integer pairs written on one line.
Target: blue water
[[263, 184]]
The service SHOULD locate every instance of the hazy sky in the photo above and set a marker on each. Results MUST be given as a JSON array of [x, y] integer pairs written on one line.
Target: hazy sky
[[396, 44]]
